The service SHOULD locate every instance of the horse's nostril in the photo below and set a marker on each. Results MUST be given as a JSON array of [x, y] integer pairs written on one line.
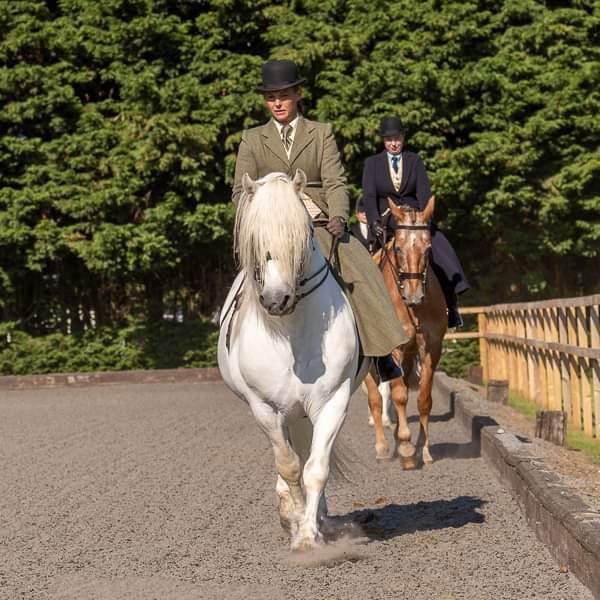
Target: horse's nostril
[[285, 300], [262, 299]]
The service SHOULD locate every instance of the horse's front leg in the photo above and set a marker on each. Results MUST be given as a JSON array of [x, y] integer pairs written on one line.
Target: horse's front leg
[[424, 401], [382, 450], [400, 396], [288, 466], [327, 425]]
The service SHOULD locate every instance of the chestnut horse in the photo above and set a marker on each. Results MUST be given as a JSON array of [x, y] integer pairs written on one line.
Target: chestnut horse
[[419, 302]]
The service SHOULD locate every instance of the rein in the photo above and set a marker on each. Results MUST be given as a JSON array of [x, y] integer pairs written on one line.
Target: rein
[[326, 266]]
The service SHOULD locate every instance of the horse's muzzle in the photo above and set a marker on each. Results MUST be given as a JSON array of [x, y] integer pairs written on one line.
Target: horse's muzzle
[[277, 307]]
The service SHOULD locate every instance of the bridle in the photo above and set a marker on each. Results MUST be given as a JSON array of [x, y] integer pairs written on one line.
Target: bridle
[[402, 276], [302, 282]]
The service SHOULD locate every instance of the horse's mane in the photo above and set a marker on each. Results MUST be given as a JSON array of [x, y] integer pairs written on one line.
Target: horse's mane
[[272, 221]]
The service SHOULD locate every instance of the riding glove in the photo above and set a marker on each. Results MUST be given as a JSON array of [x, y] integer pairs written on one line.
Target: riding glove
[[378, 230], [336, 226]]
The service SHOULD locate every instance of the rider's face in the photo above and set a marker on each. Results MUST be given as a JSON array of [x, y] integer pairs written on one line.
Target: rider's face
[[283, 104], [393, 143]]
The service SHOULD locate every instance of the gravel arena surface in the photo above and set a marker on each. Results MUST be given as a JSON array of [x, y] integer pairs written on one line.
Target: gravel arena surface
[[167, 492]]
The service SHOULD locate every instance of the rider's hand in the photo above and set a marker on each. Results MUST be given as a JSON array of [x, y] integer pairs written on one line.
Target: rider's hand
[[336, 226], [378, 230]]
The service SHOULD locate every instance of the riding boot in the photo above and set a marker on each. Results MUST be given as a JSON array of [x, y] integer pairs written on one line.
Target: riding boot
[[454, 318], [388, 366]]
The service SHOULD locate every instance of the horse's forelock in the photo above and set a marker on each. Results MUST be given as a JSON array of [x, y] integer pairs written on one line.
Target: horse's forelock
[[272, 221]]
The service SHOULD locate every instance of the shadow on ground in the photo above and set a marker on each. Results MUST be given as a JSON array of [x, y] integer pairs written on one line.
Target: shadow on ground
[[393, 520]]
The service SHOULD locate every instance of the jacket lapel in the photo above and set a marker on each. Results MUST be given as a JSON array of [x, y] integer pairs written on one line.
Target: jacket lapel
[[384, 165], [303, 137], [271, 140]]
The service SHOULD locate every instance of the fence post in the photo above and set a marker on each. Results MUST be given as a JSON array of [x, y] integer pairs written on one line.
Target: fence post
[[564, 363], [595, 343], [574, 376], [586, 390], [555, 357], [483, 344]]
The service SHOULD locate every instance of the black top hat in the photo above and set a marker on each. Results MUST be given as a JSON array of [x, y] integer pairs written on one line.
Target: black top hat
[[279, 75], [391, 126]]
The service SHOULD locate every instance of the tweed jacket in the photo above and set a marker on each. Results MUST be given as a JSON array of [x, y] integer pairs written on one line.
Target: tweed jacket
[[314, 151], [377, 184]]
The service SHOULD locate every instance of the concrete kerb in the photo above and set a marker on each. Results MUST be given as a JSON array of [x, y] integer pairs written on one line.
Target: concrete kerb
[[29, 382], [559, 518]]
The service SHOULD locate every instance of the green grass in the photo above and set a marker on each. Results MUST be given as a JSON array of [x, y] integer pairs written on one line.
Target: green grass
[[576, 440]]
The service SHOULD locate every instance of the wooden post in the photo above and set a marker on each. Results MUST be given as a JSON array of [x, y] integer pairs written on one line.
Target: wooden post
[[540, 335], [506, 347], [595, 343], [574, 376], [491, 326], [513, 379], [586, 389], [483, 344], [551, 425], [556, 361], [564, 363], [521, 355], [497, 391], [553, 391], [534, 371]]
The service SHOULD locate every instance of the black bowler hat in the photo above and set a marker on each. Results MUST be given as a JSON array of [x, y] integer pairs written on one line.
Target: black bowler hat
[[391, 126], [360, 205], [279, 75]]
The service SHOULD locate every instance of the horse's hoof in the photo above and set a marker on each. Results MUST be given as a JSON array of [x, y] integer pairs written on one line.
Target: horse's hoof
[[427, 459], [383, 456], [382, 451], [306, 544], [409, 462]]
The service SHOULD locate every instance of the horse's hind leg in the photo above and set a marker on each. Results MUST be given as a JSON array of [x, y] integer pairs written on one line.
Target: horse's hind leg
[[408, 454], [382, 449]]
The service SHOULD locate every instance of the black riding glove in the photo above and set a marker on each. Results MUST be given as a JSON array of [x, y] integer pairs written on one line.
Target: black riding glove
[[336, 226], [378, 230]]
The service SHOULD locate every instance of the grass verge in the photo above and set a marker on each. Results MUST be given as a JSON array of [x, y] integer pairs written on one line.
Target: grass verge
[[576, 440]]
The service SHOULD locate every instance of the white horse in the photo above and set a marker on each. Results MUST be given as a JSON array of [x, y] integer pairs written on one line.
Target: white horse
[[289, 346]]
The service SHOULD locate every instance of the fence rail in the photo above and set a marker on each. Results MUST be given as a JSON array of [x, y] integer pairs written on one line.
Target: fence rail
[[548, 351]]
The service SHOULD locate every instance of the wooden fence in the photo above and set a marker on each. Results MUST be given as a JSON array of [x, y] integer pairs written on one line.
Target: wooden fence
[[548, 351]]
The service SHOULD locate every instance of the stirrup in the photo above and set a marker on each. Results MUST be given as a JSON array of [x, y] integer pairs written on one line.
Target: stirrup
[[387, 368]]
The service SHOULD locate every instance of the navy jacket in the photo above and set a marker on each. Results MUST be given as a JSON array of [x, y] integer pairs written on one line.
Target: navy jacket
[[377, 185]]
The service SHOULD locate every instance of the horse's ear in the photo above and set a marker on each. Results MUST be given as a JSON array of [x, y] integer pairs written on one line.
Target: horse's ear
[[299, 181], [397, 210], [248, 184], [429, 209], [393, 206]]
